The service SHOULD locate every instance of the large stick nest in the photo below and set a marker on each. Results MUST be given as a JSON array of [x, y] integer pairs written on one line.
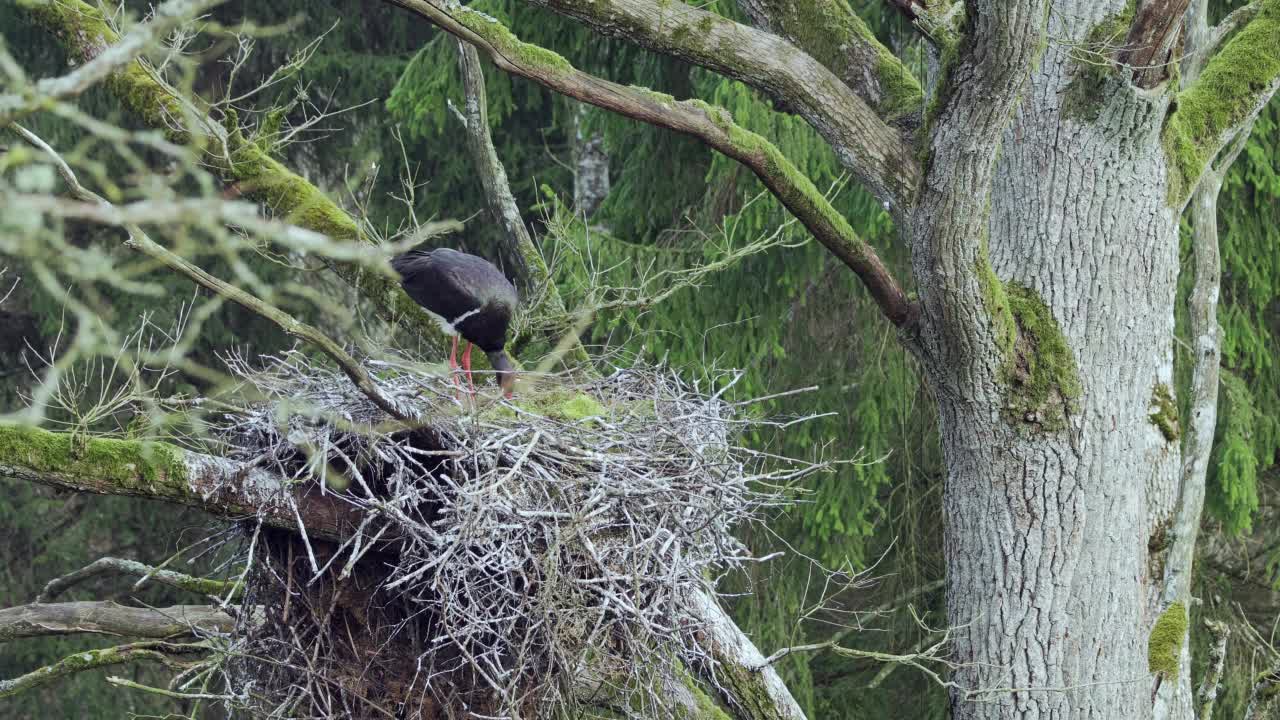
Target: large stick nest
[[511, 557]]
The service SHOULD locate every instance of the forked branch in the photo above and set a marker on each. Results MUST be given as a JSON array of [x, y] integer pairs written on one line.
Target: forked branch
[[711, 125], [833, 34], [878, 155], [1238, 80]]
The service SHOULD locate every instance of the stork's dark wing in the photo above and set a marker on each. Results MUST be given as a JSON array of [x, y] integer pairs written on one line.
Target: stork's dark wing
[[427, 278], [465, 290]]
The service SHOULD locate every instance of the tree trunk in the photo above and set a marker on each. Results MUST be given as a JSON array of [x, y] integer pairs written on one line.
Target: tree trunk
[[1059, 477]]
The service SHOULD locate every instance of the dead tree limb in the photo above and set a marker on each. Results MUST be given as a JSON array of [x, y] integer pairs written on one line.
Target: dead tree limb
[[145, 573], [108, 618]]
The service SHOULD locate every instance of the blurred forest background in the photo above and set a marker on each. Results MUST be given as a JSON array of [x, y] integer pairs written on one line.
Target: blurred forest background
[[626, 199]]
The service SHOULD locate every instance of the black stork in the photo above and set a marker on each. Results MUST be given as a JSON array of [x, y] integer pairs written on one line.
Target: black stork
[[469, 297]]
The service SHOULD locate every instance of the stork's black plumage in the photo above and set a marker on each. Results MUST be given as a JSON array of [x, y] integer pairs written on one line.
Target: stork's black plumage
[[469, 296]]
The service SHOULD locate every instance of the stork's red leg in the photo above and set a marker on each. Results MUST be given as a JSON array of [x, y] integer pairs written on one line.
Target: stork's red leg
[[453, 362], [466, 365]]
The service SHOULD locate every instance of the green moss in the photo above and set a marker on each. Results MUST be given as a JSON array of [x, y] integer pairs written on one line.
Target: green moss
[[1094, 72], [996, 302], [123, 464], [830, 32], [288, 195], [580, 407], [1229, 89], [497, 34], [1165, 417], [798, 192], [1164, 647], [900, 93], [268, 133], [1040, 373], [132, 84], [1037, 365]]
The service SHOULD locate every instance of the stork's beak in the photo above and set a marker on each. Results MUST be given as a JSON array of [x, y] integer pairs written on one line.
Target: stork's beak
[[506, 372]]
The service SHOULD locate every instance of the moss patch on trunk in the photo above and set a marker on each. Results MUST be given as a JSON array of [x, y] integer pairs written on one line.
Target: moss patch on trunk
[[1042, 380], [1093, 69], [1165, 415], [1164, 647]]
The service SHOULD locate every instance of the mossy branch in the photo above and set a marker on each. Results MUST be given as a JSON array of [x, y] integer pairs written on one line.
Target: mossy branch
[[149, 651], [144, 573], [85, 35], [878, 154], [1234, 86], [833, 34], [160, 471], [711, 125]]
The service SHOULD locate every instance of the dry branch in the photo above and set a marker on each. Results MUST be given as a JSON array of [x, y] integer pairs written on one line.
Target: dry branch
[[139, 240], [108, 618], [145, 573]]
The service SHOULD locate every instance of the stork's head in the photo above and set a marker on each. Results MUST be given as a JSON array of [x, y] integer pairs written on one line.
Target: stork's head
[[506, 371]]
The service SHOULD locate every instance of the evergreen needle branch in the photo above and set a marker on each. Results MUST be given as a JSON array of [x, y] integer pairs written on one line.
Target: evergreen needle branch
[[712, 125], [140, 241]]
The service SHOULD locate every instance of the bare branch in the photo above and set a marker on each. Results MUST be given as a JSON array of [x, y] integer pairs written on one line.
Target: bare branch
[[120, 566], [108, 618], [712, 125], [138, 240], [878, 155], [536, 282], [1207, 695], [85, 34]]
